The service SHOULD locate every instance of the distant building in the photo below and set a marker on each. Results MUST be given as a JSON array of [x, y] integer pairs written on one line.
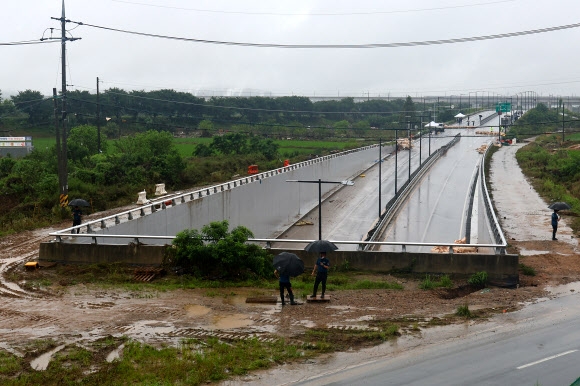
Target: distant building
[[16, 147]]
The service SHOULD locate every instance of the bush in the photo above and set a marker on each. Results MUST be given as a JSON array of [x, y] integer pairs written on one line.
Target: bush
[[478, 279], [215, 252], [463, 311]]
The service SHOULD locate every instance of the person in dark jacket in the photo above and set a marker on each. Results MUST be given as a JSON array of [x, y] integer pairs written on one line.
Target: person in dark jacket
[[321, 269], [284, 282], [77, 218], [555, 219]]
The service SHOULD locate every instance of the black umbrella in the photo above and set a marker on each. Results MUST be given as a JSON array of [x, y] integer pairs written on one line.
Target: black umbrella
[[321, 246], [560, 206], [78, 202], [288, 264]]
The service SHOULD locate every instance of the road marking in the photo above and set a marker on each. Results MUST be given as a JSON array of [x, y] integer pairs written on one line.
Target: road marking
[[546, 359]]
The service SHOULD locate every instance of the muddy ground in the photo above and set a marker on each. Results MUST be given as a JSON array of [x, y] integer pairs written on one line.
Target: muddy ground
[[40, 305]]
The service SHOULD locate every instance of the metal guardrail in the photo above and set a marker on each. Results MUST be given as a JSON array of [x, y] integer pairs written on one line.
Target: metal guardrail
[[469, 209], [268, 242], [494, 223]]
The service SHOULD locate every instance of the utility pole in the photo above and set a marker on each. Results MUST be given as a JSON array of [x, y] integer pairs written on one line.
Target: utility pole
[[62, 153], [98, 119]]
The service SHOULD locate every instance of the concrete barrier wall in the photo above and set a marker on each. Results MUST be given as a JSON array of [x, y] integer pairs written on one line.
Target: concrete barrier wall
[[267, 207], [502, 270]]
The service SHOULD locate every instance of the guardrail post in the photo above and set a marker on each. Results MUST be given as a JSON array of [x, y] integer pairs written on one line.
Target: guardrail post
[[130, 216], [404, 248], [136, 240], [207, 192], [58, 238], [89, 228], [117, 221], [163, 205], [268, 245], [183, 199], [103, 225], [153, 210], [173, 203], [200, 194], [94, 240], [142, 213], [451, 249]]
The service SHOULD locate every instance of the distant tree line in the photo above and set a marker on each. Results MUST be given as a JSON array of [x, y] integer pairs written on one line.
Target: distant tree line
[[124, 112]]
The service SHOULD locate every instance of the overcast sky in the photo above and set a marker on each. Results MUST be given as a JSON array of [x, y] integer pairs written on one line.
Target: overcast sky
[[546, 63]]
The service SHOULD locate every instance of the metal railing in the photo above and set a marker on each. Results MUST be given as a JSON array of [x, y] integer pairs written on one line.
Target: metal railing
[[269, 242]]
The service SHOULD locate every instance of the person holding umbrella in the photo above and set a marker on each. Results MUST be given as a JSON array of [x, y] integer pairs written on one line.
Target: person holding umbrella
[[77, 218], [555, 218], [321, 269], [557, 206], [284, 282], [286, 265]]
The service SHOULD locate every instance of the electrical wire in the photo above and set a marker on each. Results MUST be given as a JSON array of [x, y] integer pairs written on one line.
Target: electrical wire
[[28, 42], [318, 13], [341, 46]]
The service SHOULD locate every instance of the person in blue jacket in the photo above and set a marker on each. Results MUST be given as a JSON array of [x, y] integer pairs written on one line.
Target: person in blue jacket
[[321, 269], [555, 219], [284, 282]]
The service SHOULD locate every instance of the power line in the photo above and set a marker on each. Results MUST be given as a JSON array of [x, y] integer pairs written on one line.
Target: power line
[[341, 46], [318, 13], [26, 42]]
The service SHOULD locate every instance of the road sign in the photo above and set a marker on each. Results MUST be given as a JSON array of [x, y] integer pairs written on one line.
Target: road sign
[[503, 107]]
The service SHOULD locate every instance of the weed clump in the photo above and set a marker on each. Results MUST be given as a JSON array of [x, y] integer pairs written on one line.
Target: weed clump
[[463, 311]]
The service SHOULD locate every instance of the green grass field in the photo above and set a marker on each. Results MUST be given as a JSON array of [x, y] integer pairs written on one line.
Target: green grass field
[[186, 146]]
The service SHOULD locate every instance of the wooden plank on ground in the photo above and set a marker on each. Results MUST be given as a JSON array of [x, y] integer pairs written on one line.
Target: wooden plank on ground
[[318, 299], [262, 299]]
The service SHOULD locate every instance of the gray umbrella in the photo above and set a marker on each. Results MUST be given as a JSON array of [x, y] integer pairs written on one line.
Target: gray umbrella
[[78, 202], [320, 246], [288, 264], [560, 206]]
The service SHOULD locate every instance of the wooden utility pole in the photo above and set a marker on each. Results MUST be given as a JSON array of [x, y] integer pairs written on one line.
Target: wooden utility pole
[[61, 134], [98, 119]]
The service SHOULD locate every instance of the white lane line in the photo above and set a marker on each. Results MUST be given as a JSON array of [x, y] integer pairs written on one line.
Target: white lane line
[[546, 359]]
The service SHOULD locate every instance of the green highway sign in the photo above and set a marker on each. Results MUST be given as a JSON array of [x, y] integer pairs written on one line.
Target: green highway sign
[[503, 107]]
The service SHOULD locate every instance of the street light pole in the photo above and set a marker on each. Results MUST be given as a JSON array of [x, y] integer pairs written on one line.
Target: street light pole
[[320, 182], [396, 157]]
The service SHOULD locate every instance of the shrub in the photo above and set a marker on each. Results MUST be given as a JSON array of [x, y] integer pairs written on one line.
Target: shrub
[[215, 252], [478, 279], [463, 311]]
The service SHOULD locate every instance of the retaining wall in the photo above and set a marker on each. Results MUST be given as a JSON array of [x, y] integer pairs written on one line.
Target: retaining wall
[[502, 270]]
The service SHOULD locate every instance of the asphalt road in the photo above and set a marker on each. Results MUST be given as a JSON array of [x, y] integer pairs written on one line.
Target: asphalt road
[[435, 211], [539, 345]]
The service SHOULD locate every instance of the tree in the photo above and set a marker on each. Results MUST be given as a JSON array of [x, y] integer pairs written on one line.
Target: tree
[[39, 109], [231, 143], [408, 114], [83, 142]]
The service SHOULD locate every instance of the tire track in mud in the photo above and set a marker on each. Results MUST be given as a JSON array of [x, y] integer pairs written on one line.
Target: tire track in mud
[[17, 249]]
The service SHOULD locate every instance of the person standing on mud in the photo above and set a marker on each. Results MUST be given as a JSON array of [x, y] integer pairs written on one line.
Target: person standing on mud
[[555, 219], [321, 269], [284, 282], [77, 218]]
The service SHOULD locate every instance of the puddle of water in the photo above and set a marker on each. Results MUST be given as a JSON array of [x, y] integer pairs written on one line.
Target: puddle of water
[[526, 252], [231, 321], [115, 354], [363, 318], [196, 310], [41, 363], [565, 289], [307, 323]]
